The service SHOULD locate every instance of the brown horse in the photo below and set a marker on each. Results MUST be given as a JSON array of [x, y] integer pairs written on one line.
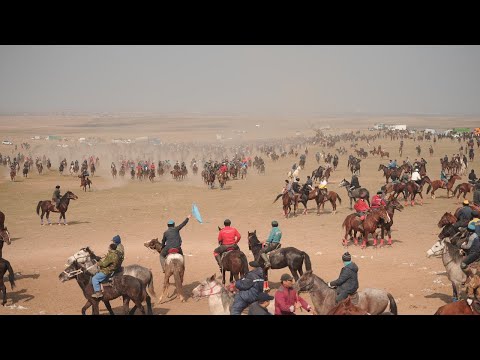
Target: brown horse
[[48, 206], [92, 169], [331, 196], [84, 182], [345, 307], [459, 308], [412, 190], [392, 205], [4, 266], [463, 188], [13, 173], [114, 172], [447, 219], [439, 184], [287, 203], [370, 224]]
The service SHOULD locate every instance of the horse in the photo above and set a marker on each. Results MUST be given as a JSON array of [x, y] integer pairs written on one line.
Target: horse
[[345, 307], [84, 182], [151, 175], [287, 202], [86, 255], [438, 184], [374, 301], [451, 259], [370, 224], [13, 173], [463, 188], [411, 189], [174, 265], [391, 206], [4, 266], [48, 206], [92, 169], [355, 193], [4, 237], [219, 298], [25, 171], [331, 196], [114, 172], [461, 307], [129, 287], [290, 257]]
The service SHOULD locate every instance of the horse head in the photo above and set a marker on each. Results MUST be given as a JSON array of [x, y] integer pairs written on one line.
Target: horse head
[[70, 195], [447, 219], [151, 243], [70, 272], [5, 236], [209, 286], [395, 204], [305, 282], [252, 239], [436, 249], [344, 182]]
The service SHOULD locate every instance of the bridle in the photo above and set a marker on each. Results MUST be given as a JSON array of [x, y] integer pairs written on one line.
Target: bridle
[[211, 291], [308, 288]]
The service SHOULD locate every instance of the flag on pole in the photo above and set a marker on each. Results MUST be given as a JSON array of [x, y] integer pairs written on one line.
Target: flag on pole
[[196, 213]]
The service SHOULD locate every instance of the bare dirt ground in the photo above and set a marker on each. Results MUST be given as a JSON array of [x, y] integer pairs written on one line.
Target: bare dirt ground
[[139, 211]]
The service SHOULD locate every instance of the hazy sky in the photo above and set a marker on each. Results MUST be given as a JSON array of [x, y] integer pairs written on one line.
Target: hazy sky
[[255, 80]]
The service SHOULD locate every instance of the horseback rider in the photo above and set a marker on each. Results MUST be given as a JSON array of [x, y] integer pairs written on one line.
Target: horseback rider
[[288, 188], [228, 238], [472, 247], [56, 197], [464, 215], [296, 186], [444, 179], [354, 183], [121, 251], [472, 177], [405, 177], [362, 208], [347, 282], [323, 185], [272, 243], [416, 178], [377, 200], [393, 164], [107, 267], [476, 195], [172, 240]]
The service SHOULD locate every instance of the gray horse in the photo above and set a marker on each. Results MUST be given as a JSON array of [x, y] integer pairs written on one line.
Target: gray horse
[[355, 193], [451, 259], [373, 301]]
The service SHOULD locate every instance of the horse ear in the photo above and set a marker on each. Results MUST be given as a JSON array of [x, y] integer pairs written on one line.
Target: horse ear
[[255, 232], [213, 277]]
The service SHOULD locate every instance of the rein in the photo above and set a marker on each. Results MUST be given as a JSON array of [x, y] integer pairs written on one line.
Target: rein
[[211, 291]]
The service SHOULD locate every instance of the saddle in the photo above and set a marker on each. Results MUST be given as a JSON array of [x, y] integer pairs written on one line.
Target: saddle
[[226, 252], [355, 298]]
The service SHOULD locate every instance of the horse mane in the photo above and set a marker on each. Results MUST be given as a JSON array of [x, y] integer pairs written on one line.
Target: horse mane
[[452, 251]]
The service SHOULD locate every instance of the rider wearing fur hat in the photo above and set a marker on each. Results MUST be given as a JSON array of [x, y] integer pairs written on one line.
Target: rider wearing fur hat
[[347, 282]]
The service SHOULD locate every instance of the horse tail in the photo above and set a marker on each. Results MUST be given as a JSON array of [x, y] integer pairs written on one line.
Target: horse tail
[[456, 189], [429, 187], [344, 225], [244, 270], [278, 197], [11, 274], [393, 304], [308, 263], [38, 207], [150, 289]]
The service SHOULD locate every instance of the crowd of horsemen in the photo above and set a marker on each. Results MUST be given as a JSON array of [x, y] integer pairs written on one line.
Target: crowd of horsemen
[[468, 223]]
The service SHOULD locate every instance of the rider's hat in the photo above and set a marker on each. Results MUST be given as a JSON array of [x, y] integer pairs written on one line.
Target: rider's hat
[[347, 257], [274, 223], [171, 222], [298, 179], [466, 202], [379, 192], [254, 263], [471, 227], [286, 277], [58, 186]]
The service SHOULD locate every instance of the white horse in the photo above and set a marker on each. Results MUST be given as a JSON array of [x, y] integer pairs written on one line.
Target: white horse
[[294, 174], [219, 298]]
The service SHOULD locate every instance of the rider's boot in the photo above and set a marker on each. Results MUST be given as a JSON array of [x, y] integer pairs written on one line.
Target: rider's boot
[[266, 260], [97, 295]]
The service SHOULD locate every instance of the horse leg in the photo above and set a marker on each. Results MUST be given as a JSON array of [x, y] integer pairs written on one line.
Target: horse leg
[[455, 292], [48, 217], [138, 304], [334, 205], [389, 233], [109, 307], [4, 292], [85, 308], [294, 272]]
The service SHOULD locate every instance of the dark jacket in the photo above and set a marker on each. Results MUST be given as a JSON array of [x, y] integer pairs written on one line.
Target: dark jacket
[[348, 279], [251, 285], [296, 187], [476, 197], [465, 213], [171, 237], [355, 182], [256, 309], [472, 249], [472, 176]]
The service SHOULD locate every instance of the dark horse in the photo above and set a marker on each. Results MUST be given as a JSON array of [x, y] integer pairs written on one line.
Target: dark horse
[[412, 190], [129, 287], [392, 205], [84, 182], [355, 193], [234, 261], [4, 266], [4, 234], [284, 257], [47, 206]]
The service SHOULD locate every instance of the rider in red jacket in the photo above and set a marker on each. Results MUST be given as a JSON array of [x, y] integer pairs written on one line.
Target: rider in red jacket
[[228, 238], [362, 208], [377, 200]]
